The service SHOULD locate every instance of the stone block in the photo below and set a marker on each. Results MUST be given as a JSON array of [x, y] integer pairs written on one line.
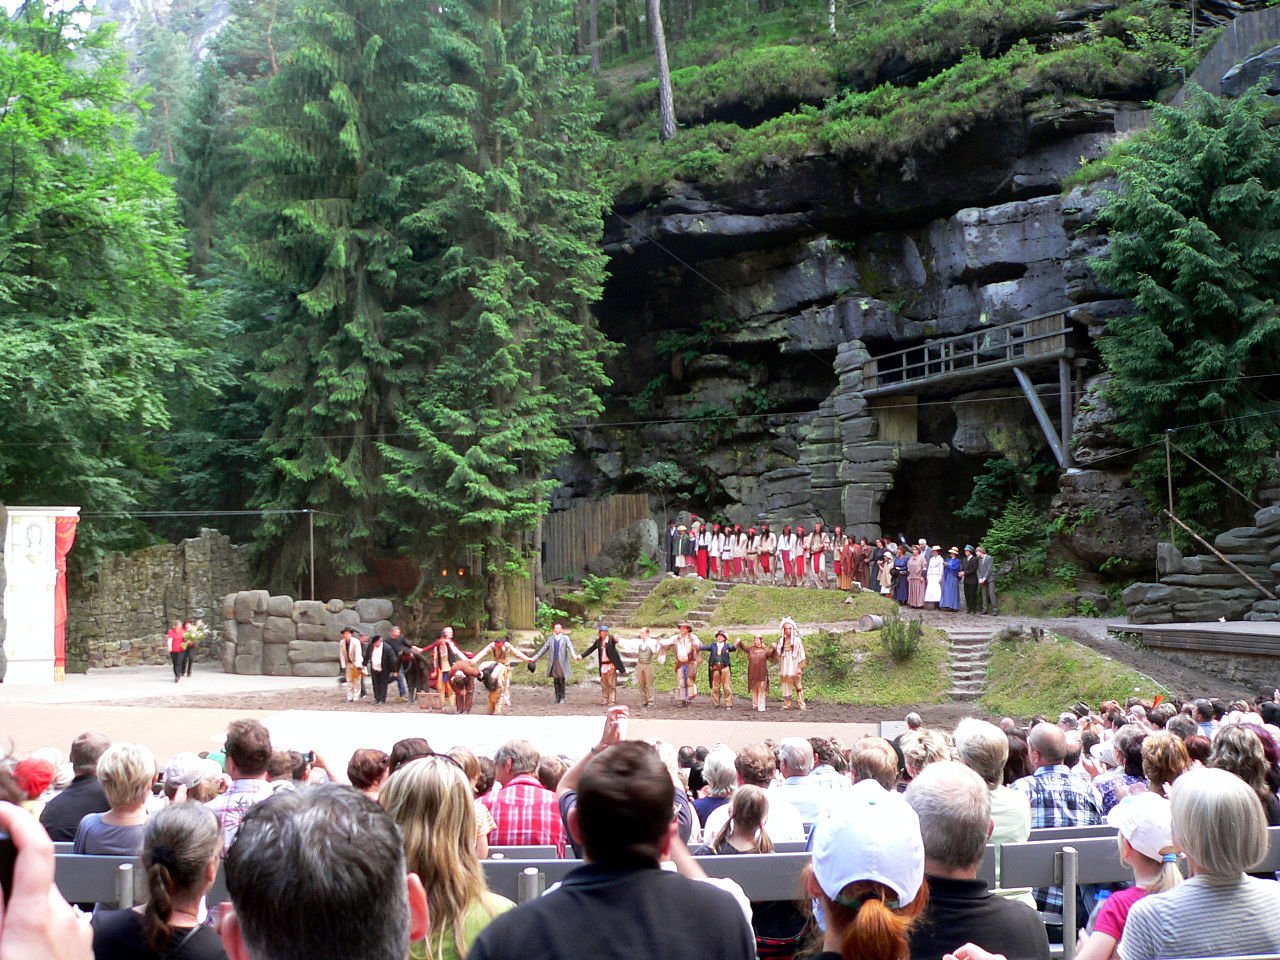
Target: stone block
[[313, 651], [248, 666], [230, 631], [310, 611], [248, 633], [315, 669], [1267, 521], [280, 606], [346, 618], [335, 606], [279, 630], [372, 610], [229, 657], [251, 648], [1238, 540], [275, 660], [251, 606], [229, 606], [313, 631]]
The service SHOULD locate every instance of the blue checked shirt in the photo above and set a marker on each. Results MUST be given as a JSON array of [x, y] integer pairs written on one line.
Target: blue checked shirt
[[1058, 799]]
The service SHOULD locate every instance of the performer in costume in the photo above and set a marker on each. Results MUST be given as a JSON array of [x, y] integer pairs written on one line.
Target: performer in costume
[[703, 556], [758, 657], [933, 576], [559, 668], [768, 547], [647, 648], [969, 579], [442, 653], [786, 551], [915, 578], [901, 575], [951, 582], [789, 651], [503, 651], [351, 658], [719, 666], [609, 660], [686, 645]]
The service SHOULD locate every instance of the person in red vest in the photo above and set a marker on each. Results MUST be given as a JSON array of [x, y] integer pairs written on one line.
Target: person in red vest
[[177, 640]]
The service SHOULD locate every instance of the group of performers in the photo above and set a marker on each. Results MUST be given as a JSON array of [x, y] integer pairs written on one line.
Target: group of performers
[[443, 675]]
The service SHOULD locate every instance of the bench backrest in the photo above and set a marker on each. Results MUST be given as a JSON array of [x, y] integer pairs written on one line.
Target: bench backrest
[[529, 852], [1072, 833], [89, 879]]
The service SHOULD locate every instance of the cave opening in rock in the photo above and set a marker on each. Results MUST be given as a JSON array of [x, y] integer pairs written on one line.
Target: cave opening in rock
[[925, 497]]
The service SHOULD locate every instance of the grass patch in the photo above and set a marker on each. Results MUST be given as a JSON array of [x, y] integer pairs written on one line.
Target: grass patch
[[1026, 678], [595, 597], [670, 602], [1038, 597], [751, 605], [846, 668]]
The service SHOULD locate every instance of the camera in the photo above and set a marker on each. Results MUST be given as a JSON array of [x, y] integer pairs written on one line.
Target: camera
[[309, 757], [8, 856]]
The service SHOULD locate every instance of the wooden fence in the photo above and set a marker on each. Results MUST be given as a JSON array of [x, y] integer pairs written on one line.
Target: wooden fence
[[572, 537]]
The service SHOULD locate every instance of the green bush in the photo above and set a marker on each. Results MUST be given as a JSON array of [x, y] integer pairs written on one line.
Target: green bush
[[901, 638], [1021, 537]]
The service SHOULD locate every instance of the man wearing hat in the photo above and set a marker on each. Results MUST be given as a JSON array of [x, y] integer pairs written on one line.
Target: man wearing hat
[[969, 579], [719, 676], [351, 659], [687, 645], [609, 659]]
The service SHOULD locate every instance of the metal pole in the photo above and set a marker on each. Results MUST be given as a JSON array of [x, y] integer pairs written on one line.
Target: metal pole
[[124, 886], [1070, 883], [1064, 406], [1168, 479], [311, 537]]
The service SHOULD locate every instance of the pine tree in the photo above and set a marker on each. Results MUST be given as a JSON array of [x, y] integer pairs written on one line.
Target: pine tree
[[511, 225], [336, 130], [1195, 241]]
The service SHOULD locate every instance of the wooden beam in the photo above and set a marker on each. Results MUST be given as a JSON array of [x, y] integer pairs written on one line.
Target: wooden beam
[[1042, 416], [1065, 406], [1214, 550], [960, 373]]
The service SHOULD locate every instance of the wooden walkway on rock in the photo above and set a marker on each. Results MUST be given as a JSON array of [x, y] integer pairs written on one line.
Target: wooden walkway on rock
[[987, 356]]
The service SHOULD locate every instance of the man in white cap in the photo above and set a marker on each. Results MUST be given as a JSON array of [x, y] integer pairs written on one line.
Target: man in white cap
[[954, 807]]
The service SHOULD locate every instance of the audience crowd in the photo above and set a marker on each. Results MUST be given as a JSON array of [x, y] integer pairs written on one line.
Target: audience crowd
[[387, 859]]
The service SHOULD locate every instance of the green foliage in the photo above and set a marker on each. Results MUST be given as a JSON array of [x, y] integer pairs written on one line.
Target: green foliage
[[901, 638], [101, 334], [667, 602], [507, 220], [648, 566], [546, 616], [1025, 678], [1019, 536], [1194, 233], [598, 588]]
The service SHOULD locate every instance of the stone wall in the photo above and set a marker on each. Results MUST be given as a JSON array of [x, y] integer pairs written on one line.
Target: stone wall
[[282, 637], [1202, 588], [118, 616]]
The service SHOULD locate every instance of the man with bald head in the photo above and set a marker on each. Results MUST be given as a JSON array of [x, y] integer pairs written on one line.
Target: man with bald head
[[1057, 798]]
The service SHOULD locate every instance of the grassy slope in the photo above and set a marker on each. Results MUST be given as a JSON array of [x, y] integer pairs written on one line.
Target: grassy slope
[[1026, 678], [758, 93], [748, 604], [670, 602]]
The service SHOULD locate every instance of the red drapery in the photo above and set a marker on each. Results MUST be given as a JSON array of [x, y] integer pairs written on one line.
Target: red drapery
[[65, 536]]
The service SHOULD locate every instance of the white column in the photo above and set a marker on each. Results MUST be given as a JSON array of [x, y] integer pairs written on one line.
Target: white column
[[28, 595]]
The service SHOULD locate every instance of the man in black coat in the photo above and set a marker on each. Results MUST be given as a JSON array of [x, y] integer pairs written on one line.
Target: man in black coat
[[383, 662], [610, 660], [969, 570], [61, 815]]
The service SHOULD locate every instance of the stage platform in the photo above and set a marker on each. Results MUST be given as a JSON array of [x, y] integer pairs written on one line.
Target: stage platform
[[1258, 639]]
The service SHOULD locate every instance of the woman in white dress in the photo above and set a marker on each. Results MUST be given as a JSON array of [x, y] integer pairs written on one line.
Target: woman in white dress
[[933, 578]]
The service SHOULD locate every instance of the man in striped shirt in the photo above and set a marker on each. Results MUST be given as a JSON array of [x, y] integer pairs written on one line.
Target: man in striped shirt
[[524, 812]]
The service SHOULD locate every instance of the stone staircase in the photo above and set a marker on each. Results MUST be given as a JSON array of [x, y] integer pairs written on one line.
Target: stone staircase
[[701, 617], [621, 612], [969, 650]]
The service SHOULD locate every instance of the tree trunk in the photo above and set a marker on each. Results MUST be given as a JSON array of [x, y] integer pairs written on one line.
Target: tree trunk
[[495, 595], [831, 16], [665, 105], [593, 34], [538, 586]]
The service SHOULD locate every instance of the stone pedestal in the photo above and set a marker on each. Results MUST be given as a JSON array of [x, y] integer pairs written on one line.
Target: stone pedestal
[[31, 578]]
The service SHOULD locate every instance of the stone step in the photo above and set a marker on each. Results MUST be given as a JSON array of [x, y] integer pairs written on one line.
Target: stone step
[[965, 695], [968, 662]]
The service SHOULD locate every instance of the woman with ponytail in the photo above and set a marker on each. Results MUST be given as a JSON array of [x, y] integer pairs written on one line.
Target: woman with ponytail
[[744, 831], [1145, 837], [181, 851], [867, 878]]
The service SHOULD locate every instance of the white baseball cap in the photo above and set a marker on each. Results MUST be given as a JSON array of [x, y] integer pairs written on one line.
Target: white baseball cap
[[1146, 821], [869, 835]]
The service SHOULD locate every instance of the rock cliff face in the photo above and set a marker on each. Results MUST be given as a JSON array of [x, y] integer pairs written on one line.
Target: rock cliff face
[[746, 313]]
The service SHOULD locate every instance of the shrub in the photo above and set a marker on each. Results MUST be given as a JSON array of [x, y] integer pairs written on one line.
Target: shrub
[[901, 638]]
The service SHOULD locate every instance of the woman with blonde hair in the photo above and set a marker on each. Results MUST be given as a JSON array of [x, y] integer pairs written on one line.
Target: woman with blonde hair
[[744, 831], [867, 878], [126, 772], [431, 799], [485, 823], [1164, 759], [1144, 835]]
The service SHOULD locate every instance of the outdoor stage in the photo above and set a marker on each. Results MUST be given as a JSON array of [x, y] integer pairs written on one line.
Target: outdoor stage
[[54, 714]]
